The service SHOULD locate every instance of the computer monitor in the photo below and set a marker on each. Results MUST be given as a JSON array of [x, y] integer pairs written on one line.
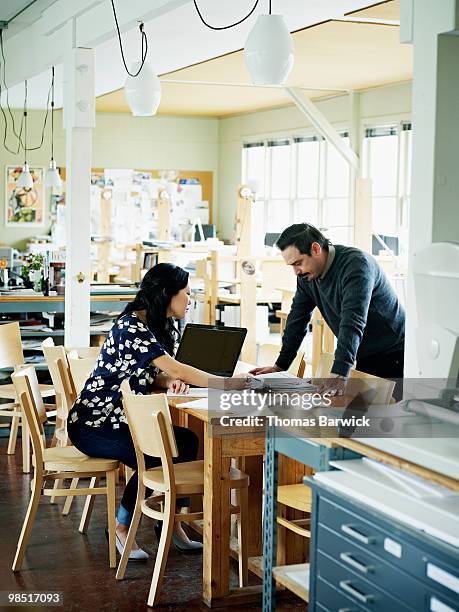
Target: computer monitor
[[212, 349], [208, 231]]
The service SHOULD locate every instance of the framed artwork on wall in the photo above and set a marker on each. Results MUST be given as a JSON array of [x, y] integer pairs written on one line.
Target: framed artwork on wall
[[24, 208]]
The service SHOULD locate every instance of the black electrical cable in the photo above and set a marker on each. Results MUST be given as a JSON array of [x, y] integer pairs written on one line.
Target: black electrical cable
[[25, 122], [19, 136], [231, 25], [52, 114], [144, 49]]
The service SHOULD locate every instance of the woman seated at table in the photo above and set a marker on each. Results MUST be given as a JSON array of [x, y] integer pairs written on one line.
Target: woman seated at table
[[139, 347]]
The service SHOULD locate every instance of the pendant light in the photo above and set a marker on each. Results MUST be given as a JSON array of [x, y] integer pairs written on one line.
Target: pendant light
[[53, 179], [268, 51], [143, 91], [142, 87], [25, 180]]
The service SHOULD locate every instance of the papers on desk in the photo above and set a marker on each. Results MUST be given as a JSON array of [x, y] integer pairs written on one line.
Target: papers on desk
[[281, 381], [200, 404], [193, 392]]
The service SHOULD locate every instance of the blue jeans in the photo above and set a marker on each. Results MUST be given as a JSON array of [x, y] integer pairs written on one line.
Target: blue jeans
[[109, 443]]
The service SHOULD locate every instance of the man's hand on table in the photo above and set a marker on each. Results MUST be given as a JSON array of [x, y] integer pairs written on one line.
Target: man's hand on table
[[333, 385], [178, 387]]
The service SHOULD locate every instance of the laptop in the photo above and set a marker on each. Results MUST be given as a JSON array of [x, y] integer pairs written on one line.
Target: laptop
[[212, 349]]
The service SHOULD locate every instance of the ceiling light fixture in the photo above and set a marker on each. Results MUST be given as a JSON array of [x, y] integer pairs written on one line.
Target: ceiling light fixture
[[53, 178], [268, 50], [142, 87], [25, 179]]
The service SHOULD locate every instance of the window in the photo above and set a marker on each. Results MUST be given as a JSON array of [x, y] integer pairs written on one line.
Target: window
[[387, 161], [304, 179]]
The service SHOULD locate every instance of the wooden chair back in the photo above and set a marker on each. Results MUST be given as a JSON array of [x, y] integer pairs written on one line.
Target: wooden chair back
[[11, 353], [52, 354], [80, 370], [384, 388], [68, 388], [152, 435], [28, 392], [324, 367]]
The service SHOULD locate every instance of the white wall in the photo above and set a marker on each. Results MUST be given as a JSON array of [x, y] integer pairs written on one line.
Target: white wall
[[382, 104], [120, 141]]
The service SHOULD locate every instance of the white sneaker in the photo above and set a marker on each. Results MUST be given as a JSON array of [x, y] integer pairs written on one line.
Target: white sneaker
[[139, 554]]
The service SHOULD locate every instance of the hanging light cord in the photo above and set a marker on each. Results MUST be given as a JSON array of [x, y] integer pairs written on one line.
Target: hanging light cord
[[232, 25], [144, 50], [52, 113], [18, 135], [25, 122]]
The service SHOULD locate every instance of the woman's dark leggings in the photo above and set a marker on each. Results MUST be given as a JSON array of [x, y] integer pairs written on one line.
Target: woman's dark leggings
[[117, 444]]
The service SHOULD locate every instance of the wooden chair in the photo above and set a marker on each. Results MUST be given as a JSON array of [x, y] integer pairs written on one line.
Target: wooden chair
[[12, 356], [80, 369], [384, 388], [58, 463], [152, 432]]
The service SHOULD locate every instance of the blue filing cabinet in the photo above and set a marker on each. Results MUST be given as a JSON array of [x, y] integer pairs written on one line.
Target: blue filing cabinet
[[307, 451], [361, 559]]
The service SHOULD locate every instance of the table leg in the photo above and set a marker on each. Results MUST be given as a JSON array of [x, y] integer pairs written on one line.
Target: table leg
[[270, 524], [216, 520]]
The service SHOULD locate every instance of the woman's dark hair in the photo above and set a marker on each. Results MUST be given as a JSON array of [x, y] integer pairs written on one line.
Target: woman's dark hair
[[302, 235], [158, 287]]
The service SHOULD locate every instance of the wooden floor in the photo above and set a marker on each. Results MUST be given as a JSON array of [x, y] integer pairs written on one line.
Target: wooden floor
[[59, 558]]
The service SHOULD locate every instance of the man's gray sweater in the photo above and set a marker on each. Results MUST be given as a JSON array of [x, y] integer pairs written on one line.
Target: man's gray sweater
[[357, 302]]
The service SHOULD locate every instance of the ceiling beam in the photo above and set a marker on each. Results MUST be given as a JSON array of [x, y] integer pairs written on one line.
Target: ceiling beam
[[323, 126], [44, 43]]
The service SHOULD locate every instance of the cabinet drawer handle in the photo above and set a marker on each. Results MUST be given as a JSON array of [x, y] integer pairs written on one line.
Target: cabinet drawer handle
[[352, 531], [347, 586], [349, 559], [347, 610]]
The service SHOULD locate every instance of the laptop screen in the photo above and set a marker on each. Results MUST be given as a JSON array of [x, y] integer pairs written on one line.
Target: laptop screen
[[214, 350]]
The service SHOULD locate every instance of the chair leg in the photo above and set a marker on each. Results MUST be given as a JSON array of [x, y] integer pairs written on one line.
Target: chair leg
[[111, 501], [131, 533], [57, 485], [28, 523], [163, 550], [88, 506], [13, 435], [242, 534], [69, 499]]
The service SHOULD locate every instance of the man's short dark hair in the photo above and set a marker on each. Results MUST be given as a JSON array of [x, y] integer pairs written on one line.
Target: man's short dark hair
[[302, 235]]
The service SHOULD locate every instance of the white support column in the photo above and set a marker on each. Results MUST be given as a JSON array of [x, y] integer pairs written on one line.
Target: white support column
[[322, 125], [434, 212], [79, 121]]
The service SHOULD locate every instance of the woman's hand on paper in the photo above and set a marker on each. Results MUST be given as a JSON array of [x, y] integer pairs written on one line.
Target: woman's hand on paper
[[265, 370], [178, 387]]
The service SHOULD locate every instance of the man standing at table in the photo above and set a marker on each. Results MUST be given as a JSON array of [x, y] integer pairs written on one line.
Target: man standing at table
[[355, 299]]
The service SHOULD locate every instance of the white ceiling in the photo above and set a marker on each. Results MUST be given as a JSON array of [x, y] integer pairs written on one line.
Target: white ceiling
[[176, 37]]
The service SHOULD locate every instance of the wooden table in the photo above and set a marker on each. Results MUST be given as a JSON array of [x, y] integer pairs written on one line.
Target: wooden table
[[221, 445], [56, 303]]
